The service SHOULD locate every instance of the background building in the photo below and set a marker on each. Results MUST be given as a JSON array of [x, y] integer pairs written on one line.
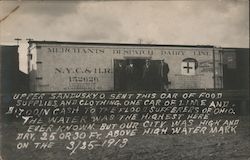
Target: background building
[[12, 79], [236, 68]]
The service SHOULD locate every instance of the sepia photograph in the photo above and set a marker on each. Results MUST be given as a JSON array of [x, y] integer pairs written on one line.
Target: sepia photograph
[[124, 80]]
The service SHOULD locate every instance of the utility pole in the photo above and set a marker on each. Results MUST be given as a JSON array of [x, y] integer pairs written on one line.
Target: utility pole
[[29, 39], [29, 59], [17, 40], [140, 41]]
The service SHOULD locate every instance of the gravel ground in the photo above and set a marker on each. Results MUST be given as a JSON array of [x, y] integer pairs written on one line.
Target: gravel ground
[[164, 147]]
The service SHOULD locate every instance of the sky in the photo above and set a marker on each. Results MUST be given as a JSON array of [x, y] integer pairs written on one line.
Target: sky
[[223, 23]]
